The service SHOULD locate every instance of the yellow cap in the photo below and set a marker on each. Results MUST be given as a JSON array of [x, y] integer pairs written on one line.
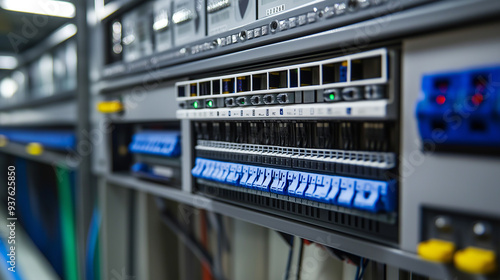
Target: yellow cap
[[34, 149], [476, 260], [436, 250], [108, 107], [3, 141]]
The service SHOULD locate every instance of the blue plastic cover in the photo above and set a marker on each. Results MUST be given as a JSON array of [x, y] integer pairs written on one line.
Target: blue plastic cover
[[57, 140], [460, 108], [367, 195], [161, 143]]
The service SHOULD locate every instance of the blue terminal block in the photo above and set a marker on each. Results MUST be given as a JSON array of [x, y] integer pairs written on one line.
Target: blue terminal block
[[268, 177], [252, 176], [58, 140], [347, 191], [293, 182], [314, 181], [367, 195], [374, 196], [260, 178], [282, 183], [461, 108], [160, 143], [332, 195]]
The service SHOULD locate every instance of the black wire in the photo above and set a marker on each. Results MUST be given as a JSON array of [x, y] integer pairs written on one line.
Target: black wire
[[299, 266], [289, 261]]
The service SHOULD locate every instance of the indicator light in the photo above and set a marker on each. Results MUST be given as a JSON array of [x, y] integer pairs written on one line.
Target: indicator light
[[210, 103], [477, 99], [195, 104], [440, 99], [332, 96]]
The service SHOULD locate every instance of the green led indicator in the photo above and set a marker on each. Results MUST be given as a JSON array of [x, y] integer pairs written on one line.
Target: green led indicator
[[195, 104], [332, 96], [210, 103]]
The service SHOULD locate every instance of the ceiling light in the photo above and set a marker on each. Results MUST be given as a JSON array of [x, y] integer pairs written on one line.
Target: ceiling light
[[40, 7], [64, 33], [8, 87], [8, 62]]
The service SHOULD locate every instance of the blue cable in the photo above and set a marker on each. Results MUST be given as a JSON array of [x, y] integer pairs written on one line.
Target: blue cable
[[289, 261], [92, 239], [356, 277], [363, 269], [3, 254]]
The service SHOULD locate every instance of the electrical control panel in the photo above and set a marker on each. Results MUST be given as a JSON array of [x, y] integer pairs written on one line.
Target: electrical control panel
[[373, 121], [316, 140]]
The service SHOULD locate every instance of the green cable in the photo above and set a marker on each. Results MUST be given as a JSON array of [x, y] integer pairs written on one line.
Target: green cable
[[67, 224]]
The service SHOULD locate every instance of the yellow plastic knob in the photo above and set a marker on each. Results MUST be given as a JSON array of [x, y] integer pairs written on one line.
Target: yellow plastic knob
[[109, 107], [34, 149], [436, 250], [476, 260], [3, 141]]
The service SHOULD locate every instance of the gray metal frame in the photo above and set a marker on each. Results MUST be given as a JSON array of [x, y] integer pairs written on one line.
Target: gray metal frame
[[69, 109], [464, 183], [380, 253]]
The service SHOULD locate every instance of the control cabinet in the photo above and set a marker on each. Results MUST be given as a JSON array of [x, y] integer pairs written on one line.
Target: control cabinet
[[370, 127]]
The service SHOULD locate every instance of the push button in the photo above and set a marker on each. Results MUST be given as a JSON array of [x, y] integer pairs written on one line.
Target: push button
[[436, 250], [476, 260]]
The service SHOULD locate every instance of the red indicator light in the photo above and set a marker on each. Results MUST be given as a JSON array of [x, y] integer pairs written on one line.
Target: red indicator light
[[440, 99], [477, 99]]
